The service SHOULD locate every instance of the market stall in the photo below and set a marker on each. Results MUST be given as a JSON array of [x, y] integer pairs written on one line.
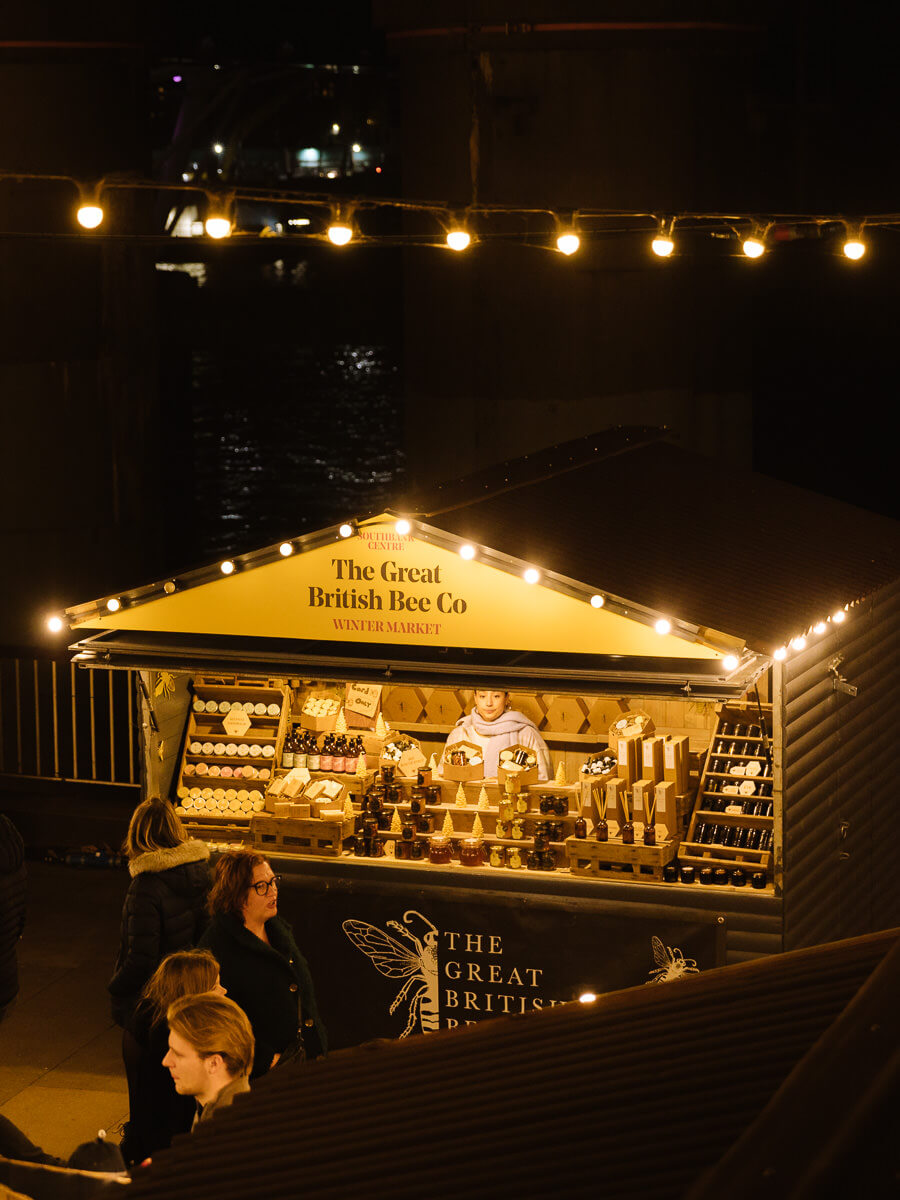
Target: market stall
[[314, 686]]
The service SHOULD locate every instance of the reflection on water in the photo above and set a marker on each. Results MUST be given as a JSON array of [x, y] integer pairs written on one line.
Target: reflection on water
[[291, 438]]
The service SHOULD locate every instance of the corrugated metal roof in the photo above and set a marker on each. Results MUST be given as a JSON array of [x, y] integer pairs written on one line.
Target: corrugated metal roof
[[642, 519], [635, 1095]]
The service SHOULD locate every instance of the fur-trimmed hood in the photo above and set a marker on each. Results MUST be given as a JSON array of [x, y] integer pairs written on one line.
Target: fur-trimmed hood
[[164, 860]]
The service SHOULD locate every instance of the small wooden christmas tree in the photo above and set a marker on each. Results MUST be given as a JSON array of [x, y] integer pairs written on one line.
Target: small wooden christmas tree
[[340, 725], [361, 766], [477, 827], [461, 801], [348, 809], [381, 728], [447, 829], [396, 823], [560, 779], [483, 801]]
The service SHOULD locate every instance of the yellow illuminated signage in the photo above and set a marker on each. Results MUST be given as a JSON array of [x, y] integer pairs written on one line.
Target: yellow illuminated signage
[[382, 587]]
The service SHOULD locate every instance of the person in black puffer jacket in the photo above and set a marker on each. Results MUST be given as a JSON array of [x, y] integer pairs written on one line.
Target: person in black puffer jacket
[[12, 909], [164, 909]]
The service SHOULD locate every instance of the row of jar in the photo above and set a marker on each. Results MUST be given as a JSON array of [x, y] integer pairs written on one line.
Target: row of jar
[[441, 851], [221, 799], [220, 771], [231, 750], [251, 708]]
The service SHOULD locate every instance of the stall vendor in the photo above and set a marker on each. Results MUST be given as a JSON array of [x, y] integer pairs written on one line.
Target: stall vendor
[[494, 726]]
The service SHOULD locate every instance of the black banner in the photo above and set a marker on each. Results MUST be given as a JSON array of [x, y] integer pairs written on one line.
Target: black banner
[[391, 960]]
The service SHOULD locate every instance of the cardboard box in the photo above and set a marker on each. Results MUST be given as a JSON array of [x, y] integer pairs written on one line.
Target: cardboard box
[[411, 760], [666, 815], [520, 778], [675, 761], [462, 774], [642, 798], [324, 724], [651, 765], [615, 789], [628, 756]]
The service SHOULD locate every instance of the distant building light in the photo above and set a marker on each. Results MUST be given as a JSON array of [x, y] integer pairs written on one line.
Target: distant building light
[[357, 148], [218, 147], [335, 128], [187, 176], [331, 175], [309, 154], [298, 220], [378, 170], [176, 79]]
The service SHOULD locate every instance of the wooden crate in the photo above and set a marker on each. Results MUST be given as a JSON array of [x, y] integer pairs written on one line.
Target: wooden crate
[[702, 854], [217, 831], [615, 860], [297, 835]]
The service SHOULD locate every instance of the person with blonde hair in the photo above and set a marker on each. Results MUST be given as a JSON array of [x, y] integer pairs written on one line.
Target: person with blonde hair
[[156, 1111], [164, 909], [210, 1051]]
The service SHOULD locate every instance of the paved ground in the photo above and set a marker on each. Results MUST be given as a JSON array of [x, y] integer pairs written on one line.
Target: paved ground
[[61, 1074]]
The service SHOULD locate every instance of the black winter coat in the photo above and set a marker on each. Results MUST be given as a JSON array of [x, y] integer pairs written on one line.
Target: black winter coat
[[164, 911], [271, 983], [156, 1112], [12, 907]]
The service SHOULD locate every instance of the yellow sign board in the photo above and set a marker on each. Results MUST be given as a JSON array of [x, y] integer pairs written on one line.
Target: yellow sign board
[[379, 586]]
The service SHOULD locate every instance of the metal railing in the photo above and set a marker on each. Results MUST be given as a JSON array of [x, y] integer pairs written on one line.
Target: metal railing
[[59, 722]]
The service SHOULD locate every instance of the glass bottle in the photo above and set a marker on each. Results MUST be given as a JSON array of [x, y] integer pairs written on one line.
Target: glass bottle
[[580, 827], [627, 833], [601, 830], [649, 835]]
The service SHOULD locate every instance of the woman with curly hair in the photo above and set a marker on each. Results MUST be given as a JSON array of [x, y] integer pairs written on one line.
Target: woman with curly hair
[[260, 963]]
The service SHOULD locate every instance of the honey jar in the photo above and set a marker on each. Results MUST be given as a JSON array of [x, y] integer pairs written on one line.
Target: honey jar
[[505, 809], [498, 856], [514, 857], [471, 852], [439, 850], [518, 828], [504, 829], [522, 803]]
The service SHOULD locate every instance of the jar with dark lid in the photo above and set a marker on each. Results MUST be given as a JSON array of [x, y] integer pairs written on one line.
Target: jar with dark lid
[[601, 830], [706, 875], [670, 873], [425, 823], [433, 792], [408, 833], [627, 833], [547, 860], [720, 876], [401, 849], [392, 794], [649, 835], [362, 846], [580, 827], [688, 874], [388, 773], [557, 831], [375, 803], [422, 777], [439, 850], [503, 829], [416, 849], [471, 852], [417, 805], [545, 804], [542, 841], [384, 821], [758, 880], [533, 860], [377, 850], [738, 878]]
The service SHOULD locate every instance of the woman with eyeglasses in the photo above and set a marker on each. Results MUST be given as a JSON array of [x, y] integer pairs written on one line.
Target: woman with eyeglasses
[[259, 962]]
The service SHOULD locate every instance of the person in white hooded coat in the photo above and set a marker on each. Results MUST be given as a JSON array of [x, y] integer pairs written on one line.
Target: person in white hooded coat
[[494, 726]]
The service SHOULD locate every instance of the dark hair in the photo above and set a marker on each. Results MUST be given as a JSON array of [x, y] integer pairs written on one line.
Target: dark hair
[[213, 1024], [232, 879], [154, 825]]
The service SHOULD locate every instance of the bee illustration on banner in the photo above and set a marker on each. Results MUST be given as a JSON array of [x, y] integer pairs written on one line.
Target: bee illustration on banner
[[670, 963], [419, 966]]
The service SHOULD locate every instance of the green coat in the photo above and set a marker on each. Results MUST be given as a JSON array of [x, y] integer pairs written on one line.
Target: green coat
[[271, 983]]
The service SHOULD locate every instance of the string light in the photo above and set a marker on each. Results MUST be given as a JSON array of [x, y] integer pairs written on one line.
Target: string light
[[797, 643], [170, 587], [531, 575], [467, 552], [587, 998], [839, 617], [780, 654], [597, 601], [663, 244], [819, 628], [753, 247], [854, 247], [568, 243], [663, 626], [227, 567], [113, 604], [458, 239], [730, 662], [346, 530], [55, 624], [402, 527], [286, 549]]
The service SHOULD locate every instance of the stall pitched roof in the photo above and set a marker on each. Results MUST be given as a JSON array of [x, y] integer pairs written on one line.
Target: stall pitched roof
[[678, 532]]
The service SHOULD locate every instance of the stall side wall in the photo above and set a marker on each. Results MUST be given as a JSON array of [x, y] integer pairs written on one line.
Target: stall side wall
[[169, 695], [840, 779]]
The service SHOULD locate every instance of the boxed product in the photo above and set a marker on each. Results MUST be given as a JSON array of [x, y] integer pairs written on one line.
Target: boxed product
[[462, 761], [518, 764], [319, 712], [404, 754]]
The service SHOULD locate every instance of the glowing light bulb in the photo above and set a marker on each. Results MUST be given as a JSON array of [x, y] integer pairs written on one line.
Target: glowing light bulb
[[89, 216], [853, 248], [730, 662], [819, 628], [753, 247], [663, 626], [531, 575], [598, 601], [113, 605], [170, 587], [227, 567], [839, 617], [346, 530], [798, 643], [285, 549], [402, 527], [587, 998], [458, 239], [356, 147], [780, 654], [218, 227], [335, 128], [54, 624], [568, 243], [339, 235], [663, 246], [218, 148], [467, 551]]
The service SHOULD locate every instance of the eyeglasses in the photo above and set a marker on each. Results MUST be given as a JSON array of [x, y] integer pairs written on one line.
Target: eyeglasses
[[262, 888]]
